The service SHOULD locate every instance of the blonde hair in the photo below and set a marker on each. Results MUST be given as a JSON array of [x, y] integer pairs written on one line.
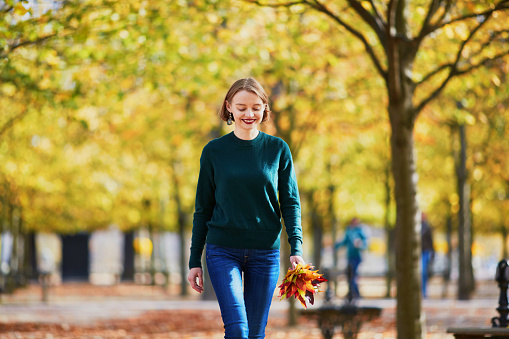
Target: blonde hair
[[249, 85]]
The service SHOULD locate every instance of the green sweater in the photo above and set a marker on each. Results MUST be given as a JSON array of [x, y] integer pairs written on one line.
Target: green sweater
[[237, 201]]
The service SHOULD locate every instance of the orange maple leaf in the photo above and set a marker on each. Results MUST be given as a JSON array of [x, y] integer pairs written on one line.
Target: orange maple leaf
[[302, 283]]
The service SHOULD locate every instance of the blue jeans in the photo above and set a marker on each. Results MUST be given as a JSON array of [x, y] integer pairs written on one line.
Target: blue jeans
[[353, 267], [426, 259], [244, 305]]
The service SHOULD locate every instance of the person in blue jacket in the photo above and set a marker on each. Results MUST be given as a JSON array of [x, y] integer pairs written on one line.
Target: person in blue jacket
[[428, 253], [355, 241], [246, 184]]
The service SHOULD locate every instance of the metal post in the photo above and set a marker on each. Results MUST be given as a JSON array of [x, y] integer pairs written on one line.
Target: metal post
[[44, 279]]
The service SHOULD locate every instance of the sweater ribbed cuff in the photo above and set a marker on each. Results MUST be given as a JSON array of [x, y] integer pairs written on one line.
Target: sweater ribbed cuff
[[296, 247], [195, 258]]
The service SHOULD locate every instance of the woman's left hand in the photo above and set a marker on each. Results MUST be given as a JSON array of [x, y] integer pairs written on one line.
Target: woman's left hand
[[296, 259]]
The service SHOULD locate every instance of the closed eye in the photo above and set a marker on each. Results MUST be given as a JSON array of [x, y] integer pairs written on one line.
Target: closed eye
[[254, 109]]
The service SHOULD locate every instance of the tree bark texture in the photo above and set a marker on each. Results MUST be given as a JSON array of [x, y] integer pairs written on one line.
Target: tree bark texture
[[208, 289], [285, 264], [128, 272], [316, 226], [448, 268], [402, 115], [389, 233], [30, 256], [408, 315], [183, 262], [465, 281]]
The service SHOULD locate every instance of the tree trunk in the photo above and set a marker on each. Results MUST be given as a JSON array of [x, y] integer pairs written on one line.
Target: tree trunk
[[333, 225], [22, 244], [154, 237], [183, 262], [465, 281], [285, 263], [316, 226], [162, 246], [16, 245], [151, 234], [128, 272], [400, 57], [30, 256], [389, 255], [409, 321], [208, 289], [10, 284], [182, 221], [448, 267]]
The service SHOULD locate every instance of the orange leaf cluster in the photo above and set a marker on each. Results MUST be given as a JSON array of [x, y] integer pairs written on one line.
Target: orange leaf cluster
[[301, 282]]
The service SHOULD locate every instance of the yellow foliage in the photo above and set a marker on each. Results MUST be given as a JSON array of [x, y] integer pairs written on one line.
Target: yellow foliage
[[143, 246], [477, 249], [441, 246], [21, 8], [8, 89]]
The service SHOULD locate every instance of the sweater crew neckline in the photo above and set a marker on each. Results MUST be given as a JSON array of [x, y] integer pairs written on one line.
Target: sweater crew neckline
[[243, 142]]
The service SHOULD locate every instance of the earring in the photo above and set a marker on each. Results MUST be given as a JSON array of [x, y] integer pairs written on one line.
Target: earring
[[230, 119]]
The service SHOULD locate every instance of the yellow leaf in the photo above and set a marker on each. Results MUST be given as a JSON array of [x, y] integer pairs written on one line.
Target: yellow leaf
[[20, 9], [366, 5], [8, 89], [496, 80]]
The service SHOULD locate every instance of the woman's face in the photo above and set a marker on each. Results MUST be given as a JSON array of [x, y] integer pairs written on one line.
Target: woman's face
[[247, 109]]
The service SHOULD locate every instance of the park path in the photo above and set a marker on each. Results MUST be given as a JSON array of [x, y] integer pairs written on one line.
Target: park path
[[132, 311]]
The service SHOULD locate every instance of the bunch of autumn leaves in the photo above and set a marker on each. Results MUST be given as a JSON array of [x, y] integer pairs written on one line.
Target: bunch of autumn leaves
[[302, 283]]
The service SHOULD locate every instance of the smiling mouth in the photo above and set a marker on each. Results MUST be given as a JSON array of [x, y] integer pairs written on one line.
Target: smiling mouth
[[249, 121]]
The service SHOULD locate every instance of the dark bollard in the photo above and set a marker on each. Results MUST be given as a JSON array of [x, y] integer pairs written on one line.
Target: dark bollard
[[502, 277], [44, 280], [46, 268]]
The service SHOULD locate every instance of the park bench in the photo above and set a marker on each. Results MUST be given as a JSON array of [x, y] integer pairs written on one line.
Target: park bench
[[477, 333], [348, 316], [500, 324]]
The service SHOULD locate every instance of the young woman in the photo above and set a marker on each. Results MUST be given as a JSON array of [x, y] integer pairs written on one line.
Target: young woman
[[238, 213]]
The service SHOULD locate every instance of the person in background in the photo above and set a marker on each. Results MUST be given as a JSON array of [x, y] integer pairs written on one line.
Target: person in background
[[246, 184], [355, 241], [427, 252]]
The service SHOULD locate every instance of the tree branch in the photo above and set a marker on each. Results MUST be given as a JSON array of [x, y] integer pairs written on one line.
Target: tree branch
[[393, 77], [481, 63], [376, 12], [391, 15], [6, 9], [450, 65], [447, 9], [11, 121], [321, 8], [373, 20], [493, 37], [434, 72], [502, 5], [310, 125], [433, 8], [29, 42], [286, 4], [453, 67]]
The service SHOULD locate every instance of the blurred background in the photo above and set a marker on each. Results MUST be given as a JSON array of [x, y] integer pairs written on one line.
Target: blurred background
[[105, 107]]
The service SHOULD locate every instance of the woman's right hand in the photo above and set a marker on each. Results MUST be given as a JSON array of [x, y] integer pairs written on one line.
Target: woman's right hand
[[195, 278]]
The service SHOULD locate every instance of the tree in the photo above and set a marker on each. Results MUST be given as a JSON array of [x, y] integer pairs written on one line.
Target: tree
[[394, 35], [34, 54]]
